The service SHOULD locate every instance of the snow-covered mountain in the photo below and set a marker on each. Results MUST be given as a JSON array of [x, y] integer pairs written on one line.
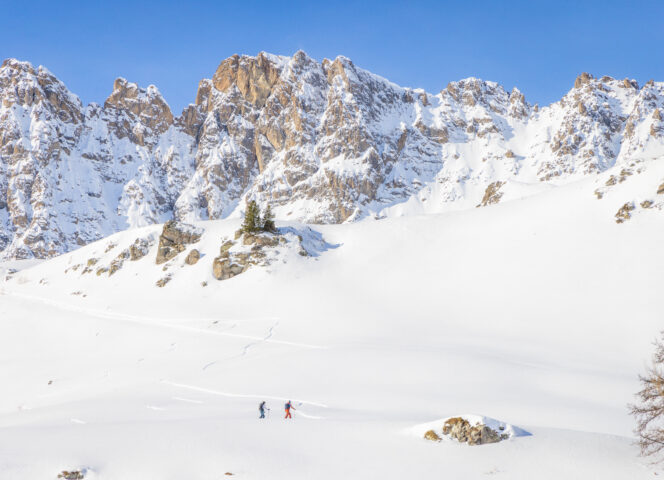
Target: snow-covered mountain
[[321, 142]]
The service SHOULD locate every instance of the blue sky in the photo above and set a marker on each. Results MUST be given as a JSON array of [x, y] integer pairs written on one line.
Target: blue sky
[[540, 47]]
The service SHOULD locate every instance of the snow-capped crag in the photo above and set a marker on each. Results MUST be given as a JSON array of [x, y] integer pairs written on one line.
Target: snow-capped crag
[[320, 142]]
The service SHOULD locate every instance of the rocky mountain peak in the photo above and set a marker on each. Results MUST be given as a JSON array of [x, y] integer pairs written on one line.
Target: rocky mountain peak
[[337, 68], [583, 79], [22, 84], [137, 113], [17, 66], [254, 77], [473, 91], [519, 108]]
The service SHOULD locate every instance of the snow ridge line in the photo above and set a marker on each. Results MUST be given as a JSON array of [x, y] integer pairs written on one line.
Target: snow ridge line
[[239, 395], [136, 319]]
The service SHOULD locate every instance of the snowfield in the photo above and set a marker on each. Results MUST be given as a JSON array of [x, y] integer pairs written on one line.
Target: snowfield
[[537, 312]]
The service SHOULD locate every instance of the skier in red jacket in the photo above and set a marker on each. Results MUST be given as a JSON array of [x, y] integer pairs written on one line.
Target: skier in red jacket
[[288, 407]]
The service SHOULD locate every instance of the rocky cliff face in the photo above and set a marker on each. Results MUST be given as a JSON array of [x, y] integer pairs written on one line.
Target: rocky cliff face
[[321, 142]]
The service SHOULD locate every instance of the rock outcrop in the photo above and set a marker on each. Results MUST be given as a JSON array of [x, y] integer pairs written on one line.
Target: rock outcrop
[[139, 248], [261, 249], [470, 429], [223, 268], [234, 259], [461, 430], [72, 475], [492, 194], [624, 213], [174, 239]]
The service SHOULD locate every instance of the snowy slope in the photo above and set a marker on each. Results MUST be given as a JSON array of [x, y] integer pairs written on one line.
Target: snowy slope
[[322, 142], [537, 312]]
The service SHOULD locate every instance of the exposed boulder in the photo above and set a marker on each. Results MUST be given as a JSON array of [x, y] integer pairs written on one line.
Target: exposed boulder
[[71, 475], [660, 189], [226, 246], [461, 430], [432, 436], [174, 238], [192, 257], [223, 268]]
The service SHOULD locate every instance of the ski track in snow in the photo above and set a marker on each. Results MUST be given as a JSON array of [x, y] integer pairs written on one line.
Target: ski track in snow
[[246, 347], [241, 395], [155, 323], [298, 413], [209, 365], [153, 407], [188, 400]]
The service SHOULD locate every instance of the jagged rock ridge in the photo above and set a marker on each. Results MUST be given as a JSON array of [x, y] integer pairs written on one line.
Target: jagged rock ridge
[[322, 142]]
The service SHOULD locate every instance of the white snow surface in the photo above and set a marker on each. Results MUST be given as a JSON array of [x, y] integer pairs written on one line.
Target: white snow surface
[[538, 312]]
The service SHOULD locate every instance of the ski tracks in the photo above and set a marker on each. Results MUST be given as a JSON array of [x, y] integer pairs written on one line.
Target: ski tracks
[[267, 337], [152, 322], [246, 347], [242, 395]]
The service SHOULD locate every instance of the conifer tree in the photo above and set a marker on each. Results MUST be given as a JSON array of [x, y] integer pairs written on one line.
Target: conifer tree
[[258, 221], [252, 218], [268, 220]]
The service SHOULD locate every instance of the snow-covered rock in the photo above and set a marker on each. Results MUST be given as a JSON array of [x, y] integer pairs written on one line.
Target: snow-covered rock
[[470, 429], [193, 254]]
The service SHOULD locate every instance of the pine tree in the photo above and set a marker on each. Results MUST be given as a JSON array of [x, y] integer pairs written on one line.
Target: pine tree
[[258, 221], [268, 220], [649, 412], [252, 218]]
